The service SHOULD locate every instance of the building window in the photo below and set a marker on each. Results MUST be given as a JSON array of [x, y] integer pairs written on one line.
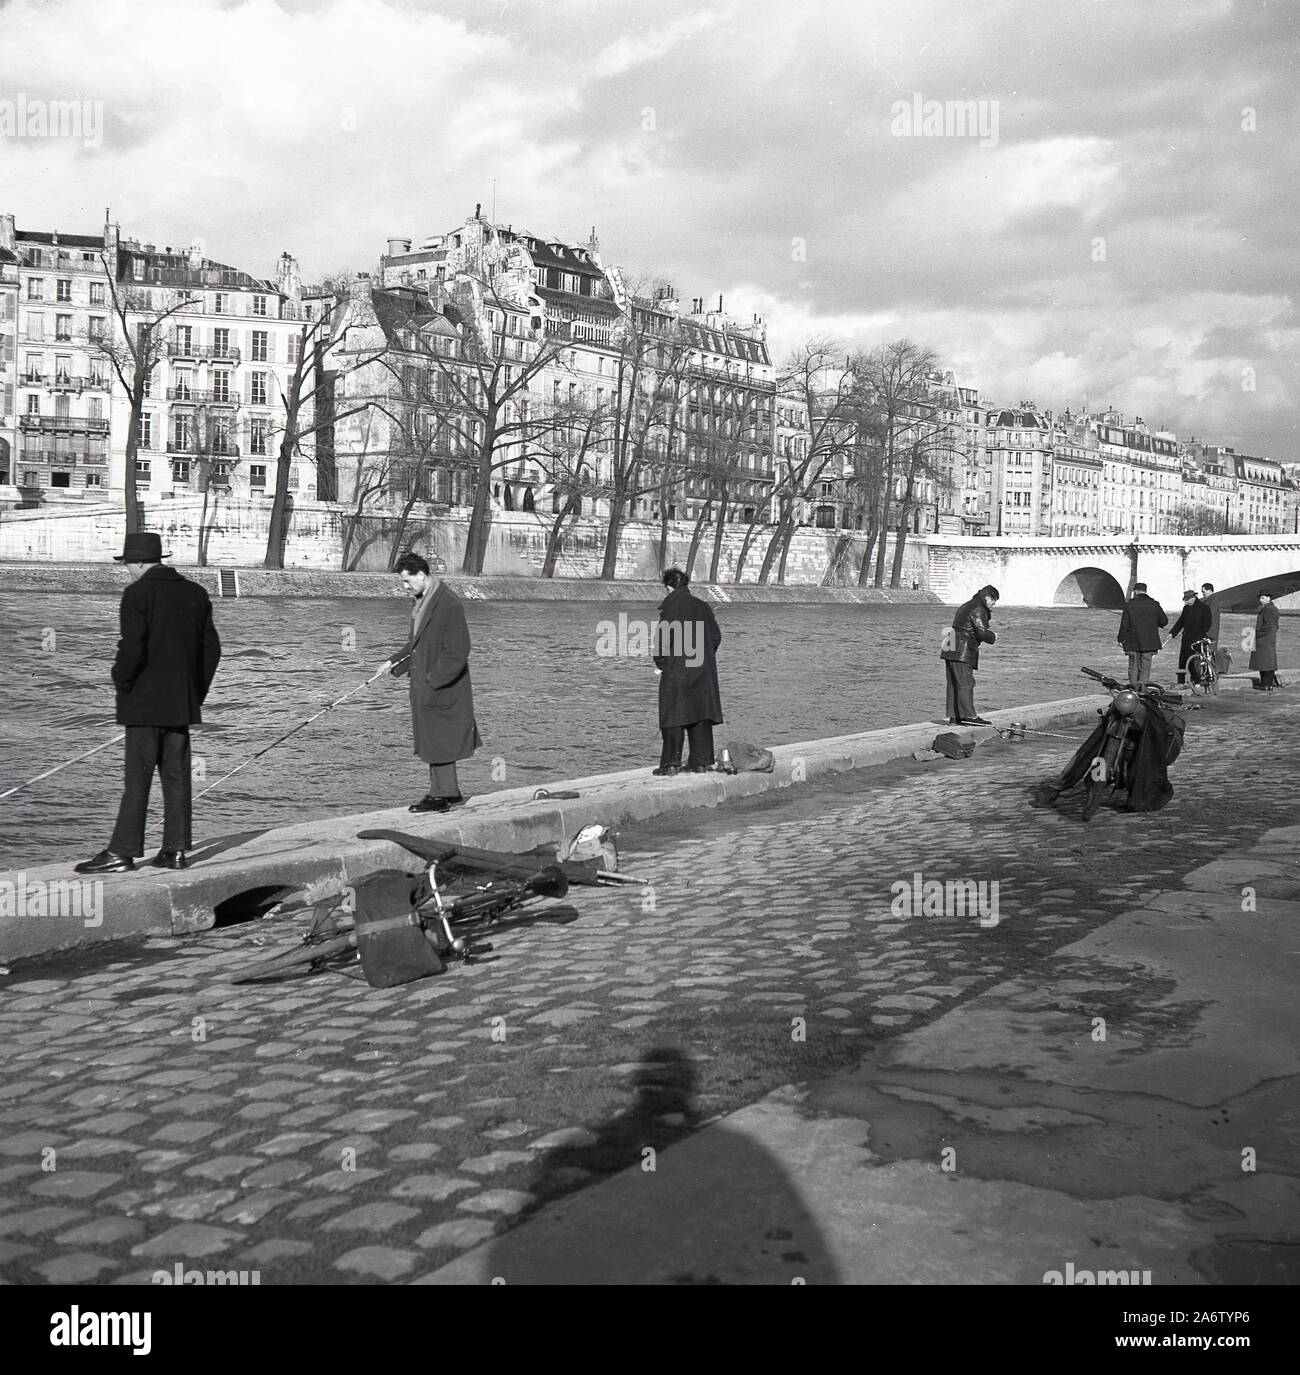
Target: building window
[[180, 470], [94, 479], [220, 343], [60, 479], [63, 327], [259, 345], [33, 405], [219, 302], [259, 305], [257, 475], [97, 296], [257, 389], [63, 289], [183, 433], [257, 436], [146, 431], [294, 343], [96, 329], [35, 289], [142, 469], [220, 384]]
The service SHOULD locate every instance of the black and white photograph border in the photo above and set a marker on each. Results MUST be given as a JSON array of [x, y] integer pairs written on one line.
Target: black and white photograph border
[[704, 584]]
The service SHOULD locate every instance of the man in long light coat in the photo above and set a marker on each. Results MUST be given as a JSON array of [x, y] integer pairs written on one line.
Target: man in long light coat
[[436, 657]]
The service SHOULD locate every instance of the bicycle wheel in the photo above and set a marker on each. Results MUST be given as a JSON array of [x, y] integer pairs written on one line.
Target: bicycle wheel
[[298, 960]]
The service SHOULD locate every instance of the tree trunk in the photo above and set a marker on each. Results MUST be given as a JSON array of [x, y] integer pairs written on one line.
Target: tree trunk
[[886, 497], [476, 537], [205, 529], [553, 541], [900, 542], [663, 531], [202, 552], [785, 552], [614, 531], [744, 548], [717, 538], [130, 498], [864, 573], [395, 549], [275, 535], [784, 520], [695, 538]]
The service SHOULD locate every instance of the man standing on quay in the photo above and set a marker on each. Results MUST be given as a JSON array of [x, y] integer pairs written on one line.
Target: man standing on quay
[[1139, 633], [442, 701], [1193, 624], [165, 662], [961, 655]]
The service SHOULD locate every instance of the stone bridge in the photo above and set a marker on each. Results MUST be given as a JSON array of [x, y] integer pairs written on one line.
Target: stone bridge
[[1099, 571]]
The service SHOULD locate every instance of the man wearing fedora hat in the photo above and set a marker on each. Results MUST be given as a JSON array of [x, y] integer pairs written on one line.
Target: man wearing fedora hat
[[1139, 633], [165, 661]]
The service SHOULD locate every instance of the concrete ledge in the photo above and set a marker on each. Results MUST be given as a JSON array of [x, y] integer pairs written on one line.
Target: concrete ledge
[[323, 856]]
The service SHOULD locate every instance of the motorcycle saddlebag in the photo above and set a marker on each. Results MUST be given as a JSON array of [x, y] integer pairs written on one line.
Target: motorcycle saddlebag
[[390, 937]]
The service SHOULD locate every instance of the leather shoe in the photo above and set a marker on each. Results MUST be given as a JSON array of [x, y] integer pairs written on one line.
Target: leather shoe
[[170, 859], [457, 801], [666, 770], [430, 804], [975, 721], [699, 768], [105, 862]]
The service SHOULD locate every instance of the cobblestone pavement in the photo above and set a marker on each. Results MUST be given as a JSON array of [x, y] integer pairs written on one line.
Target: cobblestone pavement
[[154, 1114]]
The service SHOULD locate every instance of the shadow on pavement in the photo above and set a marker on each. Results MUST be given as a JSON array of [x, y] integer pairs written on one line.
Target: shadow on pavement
[[715, 1208]]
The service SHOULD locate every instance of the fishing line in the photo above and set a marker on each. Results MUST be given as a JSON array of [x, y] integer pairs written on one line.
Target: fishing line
[[266, 749], [58, 767]]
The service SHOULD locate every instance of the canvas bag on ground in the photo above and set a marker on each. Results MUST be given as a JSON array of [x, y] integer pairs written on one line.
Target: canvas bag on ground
[[390, 937]]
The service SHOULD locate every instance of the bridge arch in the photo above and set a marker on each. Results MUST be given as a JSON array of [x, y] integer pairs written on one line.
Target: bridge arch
[[1089, 587], [1244, 596]]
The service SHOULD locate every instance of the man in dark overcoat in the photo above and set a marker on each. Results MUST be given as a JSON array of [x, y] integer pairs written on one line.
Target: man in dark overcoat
[[1139, 633], [1263, 658], [685, 648], [961, 655], [1193, 624], [442, 701], [166, 659]]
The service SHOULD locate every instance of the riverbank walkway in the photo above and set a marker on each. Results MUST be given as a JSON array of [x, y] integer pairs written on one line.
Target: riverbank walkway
[[781, 1069]]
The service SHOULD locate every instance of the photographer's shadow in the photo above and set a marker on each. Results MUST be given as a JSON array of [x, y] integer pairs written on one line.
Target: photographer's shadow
[[653, 1197]]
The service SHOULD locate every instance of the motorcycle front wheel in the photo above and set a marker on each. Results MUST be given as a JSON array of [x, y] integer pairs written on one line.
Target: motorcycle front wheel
[[1092, 791]]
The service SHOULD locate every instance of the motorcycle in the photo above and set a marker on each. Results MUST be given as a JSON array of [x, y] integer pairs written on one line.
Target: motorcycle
[[1130, 751]]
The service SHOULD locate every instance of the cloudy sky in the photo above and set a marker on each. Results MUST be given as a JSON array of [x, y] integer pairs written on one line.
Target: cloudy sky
[[1121, 229]]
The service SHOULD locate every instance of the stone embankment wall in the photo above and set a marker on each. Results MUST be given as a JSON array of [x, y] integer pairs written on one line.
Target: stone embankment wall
[[304, 582], [516, 544]]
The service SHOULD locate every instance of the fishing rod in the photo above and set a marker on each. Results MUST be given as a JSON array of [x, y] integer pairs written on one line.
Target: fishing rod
[[266, 749], [59, 767]]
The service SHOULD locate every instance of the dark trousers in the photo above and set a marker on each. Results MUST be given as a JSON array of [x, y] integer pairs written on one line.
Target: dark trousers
[[701, 737], [167, 750], [961, 690], [1184, 653], [442, 780]]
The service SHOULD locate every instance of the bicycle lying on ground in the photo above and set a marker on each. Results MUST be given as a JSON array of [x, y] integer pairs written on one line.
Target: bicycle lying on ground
[[401, 926]]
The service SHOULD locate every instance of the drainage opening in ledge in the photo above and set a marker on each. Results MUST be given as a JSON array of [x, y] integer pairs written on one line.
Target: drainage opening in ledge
[[251, 904]]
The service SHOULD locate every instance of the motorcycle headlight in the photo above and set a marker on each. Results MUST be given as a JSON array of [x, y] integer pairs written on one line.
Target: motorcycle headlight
[[1126, 702]]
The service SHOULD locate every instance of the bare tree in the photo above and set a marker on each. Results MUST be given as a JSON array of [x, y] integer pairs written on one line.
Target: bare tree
[[814, 377], [890, 381], [133, 348], [652, 379], [568, 452]]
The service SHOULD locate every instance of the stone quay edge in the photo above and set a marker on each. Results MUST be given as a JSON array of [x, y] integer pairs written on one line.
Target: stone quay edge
[[322, 857], [316, 582]]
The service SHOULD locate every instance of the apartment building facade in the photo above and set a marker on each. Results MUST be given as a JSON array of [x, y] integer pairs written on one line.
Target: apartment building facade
[[214, 401], [8, 355]]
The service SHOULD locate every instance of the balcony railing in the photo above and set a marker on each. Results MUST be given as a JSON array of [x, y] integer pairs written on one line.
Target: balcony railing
[[63, 422], [230, 454], [57, 460], [175, 348], [191, 397]]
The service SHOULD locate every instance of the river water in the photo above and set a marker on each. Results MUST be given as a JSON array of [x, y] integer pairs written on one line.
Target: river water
[[549, 705]]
